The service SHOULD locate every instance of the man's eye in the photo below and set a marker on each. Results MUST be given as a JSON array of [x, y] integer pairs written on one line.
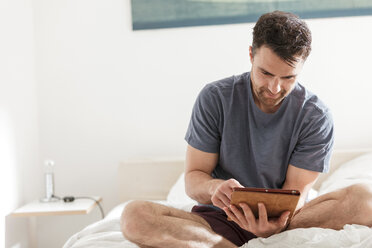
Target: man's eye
[[265, 73]]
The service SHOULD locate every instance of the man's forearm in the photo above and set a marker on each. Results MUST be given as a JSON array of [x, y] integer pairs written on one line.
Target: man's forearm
[[200, 186], [304, 192]]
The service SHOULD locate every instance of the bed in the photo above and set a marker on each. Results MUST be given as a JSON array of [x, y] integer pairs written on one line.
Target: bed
[[161, 180]]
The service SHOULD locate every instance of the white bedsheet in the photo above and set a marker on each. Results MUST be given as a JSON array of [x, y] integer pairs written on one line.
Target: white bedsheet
[[354, 236], [106, 233]]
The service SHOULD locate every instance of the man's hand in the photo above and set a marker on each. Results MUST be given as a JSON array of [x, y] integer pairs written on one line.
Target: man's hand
[[222, 193], [261, 227]]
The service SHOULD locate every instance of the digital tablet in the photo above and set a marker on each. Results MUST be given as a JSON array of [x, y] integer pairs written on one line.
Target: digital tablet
[[276, 200]]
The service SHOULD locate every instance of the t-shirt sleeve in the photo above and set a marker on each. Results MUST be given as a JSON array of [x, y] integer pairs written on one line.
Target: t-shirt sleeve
[[203, 132], [314, 147]]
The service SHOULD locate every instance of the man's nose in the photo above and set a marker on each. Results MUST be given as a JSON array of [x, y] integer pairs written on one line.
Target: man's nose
[[274, 86]]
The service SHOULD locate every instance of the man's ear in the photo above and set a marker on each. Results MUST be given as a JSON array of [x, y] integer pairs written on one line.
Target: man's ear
[[251, 54]]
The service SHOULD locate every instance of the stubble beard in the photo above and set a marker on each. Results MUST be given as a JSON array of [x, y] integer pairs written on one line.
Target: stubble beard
[[270, 102]]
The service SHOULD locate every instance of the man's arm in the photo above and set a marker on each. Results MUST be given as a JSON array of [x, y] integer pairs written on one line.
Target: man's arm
[[199, 183], [301, 180], [198, 180]]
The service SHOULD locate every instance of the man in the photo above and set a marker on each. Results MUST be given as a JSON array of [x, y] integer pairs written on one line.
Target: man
[[258, 129]]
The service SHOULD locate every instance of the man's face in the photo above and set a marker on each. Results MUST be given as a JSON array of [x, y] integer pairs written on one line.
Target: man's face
[[272, 78]]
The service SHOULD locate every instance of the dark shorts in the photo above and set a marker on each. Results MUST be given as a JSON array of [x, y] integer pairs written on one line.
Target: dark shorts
[[217, 219]]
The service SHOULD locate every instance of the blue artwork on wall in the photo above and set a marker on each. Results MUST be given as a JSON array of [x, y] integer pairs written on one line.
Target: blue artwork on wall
[[153, 14]]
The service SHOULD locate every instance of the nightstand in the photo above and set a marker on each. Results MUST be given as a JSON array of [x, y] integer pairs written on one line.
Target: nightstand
[[37, 208]]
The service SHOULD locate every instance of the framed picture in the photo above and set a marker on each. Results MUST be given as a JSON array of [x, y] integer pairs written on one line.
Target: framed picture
[[154, 14]]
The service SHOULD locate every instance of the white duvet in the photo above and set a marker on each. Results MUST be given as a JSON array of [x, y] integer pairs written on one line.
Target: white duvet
[[106, 233]]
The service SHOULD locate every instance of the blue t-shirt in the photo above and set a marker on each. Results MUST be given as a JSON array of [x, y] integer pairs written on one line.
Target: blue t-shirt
[[255, 147]]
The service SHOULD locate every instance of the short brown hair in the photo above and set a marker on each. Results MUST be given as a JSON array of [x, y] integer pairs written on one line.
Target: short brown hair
[[285, 33]]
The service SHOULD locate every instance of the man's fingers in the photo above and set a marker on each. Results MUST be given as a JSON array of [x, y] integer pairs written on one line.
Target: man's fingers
[[219, 203], [224, 199], [220, 200], [231, 215], [235, 183], [238, 214], [249, 216], [223, 192], [262, 213], [238, 217], [284, 218], [230, 185]]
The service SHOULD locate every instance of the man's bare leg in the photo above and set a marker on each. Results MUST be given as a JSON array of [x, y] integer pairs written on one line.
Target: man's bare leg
[[350, 205], [154, 225]]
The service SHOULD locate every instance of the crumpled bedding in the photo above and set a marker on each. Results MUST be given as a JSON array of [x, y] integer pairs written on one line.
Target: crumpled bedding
[[354, 236], [106, 233]]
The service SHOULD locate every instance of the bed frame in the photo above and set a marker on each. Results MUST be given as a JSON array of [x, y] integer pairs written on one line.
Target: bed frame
[[151, 179]]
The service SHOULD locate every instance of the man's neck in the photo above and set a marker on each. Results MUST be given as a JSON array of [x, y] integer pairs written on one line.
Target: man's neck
[[268, 109]]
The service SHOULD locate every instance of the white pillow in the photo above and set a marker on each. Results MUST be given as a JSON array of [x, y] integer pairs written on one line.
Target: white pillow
[[177, 194], [357, 170]]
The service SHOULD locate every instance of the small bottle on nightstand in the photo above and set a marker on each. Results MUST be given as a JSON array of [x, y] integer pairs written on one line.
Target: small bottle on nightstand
[[49, 182]]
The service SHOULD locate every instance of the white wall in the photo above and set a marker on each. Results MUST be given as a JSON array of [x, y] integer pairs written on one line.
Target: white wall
[[339, 72], [107, 93], [20, 174]]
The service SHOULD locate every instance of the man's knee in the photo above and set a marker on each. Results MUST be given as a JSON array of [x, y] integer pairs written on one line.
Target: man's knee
[[351, 193], [133, 219], [357, 193], [358, 202], [359, 188], [349, 205], [360, 195]]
